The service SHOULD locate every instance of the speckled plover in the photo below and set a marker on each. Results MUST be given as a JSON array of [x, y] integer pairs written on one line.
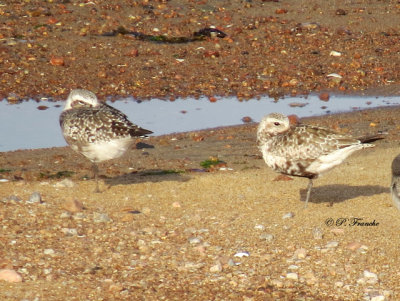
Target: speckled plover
[[304, 150], [97, 130], [395, 186]]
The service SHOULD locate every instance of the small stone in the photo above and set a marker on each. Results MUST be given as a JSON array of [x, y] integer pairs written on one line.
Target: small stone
[[300, 253], [324, 96], [335, 53], [65, 183], [292, 276], [353, 246], [368, 274], [69, 231], [259, 227], [194, 240], [242, 254], [332, 244], [176, 205], [35, 198], [73, 206], [317, 233], [100, 217], [10, 275], [288, 215], [216, 268], [267, 237], [57, 61], [293, 267], [48, 252], [247, 119]]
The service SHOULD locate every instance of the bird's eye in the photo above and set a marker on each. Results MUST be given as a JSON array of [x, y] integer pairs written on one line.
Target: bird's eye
[[277, 123]]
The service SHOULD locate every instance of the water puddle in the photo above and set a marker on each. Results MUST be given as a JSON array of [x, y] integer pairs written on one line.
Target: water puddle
[[23, 126]]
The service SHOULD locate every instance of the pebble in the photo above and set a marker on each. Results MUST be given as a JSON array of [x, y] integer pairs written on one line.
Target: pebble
[[35, 198], [64, 183], [335, 53], [48, 251], [334, 75], [10, 275], [288, 215], [242, 254], [73, 206], [176, 205], [101, 217], [292, 276], [267, 237], [216, 268], [300, 253], [69, 231], [317, 233], [259, 227], [332, 244], [194, 240], [353, 246]]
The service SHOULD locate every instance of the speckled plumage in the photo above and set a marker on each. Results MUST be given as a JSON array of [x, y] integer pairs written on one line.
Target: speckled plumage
[[97, 130], [395, 185], [303, 150]]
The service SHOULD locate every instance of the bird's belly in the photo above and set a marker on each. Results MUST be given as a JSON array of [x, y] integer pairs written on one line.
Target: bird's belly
[[289, 166], [106, 150]]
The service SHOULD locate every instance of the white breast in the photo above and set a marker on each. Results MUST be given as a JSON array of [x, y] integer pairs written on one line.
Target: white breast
[[102, 151]]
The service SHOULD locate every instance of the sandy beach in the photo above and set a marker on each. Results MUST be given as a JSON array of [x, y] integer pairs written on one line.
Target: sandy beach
[[166, 226]]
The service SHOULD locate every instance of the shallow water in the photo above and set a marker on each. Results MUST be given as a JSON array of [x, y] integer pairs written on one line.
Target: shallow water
[[23, 126]]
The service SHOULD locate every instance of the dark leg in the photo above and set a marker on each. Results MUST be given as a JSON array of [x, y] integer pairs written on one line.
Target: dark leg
[[310, 184], [96, 176]]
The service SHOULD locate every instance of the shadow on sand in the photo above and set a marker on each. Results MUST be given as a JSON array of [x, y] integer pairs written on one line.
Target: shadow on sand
[[152, 175], [339, 193]]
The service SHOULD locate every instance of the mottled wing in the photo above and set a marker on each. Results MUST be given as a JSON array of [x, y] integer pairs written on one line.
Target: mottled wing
[[120, 124], [104, 123], [308, 142]]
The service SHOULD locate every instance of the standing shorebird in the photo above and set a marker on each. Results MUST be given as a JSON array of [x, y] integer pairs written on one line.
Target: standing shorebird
[[97, 130], [304, 150], [395, 186]]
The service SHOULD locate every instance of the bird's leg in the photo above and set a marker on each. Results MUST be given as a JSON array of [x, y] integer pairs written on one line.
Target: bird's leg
[[310, 184], [96, 176]]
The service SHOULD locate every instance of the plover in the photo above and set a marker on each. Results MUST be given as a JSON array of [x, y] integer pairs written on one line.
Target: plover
[[395, 186], [304, 150], [97, 130]]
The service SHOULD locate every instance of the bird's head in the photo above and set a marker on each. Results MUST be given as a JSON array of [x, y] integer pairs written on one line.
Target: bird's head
[[79, 98]]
